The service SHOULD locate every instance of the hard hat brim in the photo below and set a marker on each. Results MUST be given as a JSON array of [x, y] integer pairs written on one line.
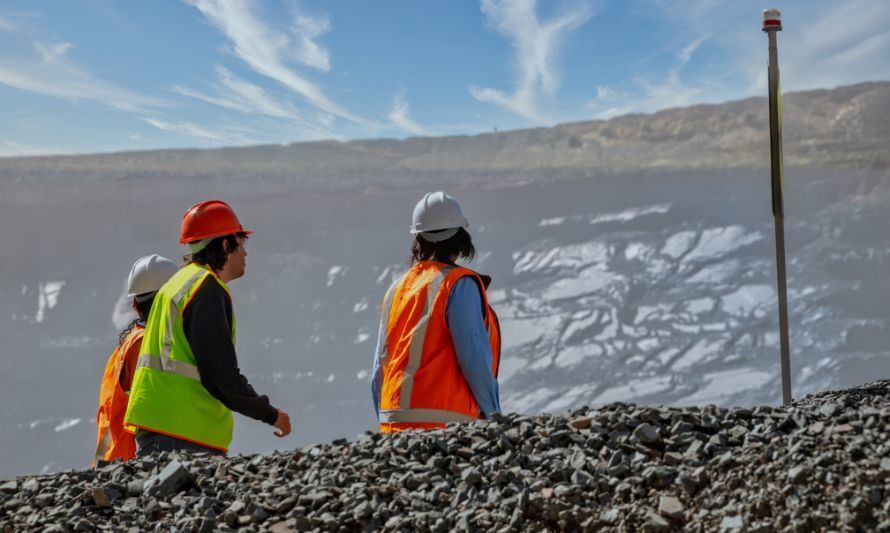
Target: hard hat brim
[[213, 235]]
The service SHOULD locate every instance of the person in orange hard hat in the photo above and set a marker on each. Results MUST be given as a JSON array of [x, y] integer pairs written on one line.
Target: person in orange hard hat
[[148, 274], [439, 346], [187, 380]]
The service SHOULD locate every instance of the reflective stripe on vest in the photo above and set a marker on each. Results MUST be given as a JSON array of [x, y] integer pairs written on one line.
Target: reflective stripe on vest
[[418, 337], [168, 365], [395, 416]]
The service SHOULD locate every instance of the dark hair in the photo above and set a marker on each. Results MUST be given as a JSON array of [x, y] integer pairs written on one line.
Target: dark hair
[[214, 254], [460, 246], [142, 309]]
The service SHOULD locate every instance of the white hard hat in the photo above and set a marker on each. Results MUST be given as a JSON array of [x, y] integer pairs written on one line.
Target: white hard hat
[[148, 274], [435, 212]]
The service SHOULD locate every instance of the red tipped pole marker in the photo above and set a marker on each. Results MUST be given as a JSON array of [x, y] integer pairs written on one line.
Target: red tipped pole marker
[[772, 23]]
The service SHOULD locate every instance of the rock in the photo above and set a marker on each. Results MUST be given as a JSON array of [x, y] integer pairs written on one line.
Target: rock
[[363, 511], [84, 525], [169, 481], [9, 486], [582, 422], [670, 507], [286, 505], [731, 523], [830, 410], [647, 434], [471, 476], [100, 498], [135, 487], [31, 485], [285, 526], [799, 474], [654, 522]]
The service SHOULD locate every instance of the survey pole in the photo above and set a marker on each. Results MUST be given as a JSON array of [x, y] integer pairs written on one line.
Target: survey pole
[[772, 23]]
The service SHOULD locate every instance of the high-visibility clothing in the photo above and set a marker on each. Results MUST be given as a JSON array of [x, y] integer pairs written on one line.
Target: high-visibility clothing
[[113, 441], [167, 396], [423, 386]]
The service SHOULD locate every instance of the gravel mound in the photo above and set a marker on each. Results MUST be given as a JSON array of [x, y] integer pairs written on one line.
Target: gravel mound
[[822, 463]]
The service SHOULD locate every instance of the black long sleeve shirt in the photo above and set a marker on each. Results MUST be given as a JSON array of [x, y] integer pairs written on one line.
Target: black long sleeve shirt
[[207, 321]]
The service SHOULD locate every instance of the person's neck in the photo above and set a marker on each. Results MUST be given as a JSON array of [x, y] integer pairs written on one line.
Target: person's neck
[[224, 275]]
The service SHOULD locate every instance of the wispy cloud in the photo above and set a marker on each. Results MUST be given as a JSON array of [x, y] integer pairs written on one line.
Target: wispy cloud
[[238, 94], [306, 51], [825, 53], [55, 74], [648, 96], [6, 25], [690, 49], [537, 45], [815, 51], [226, 135], [400, 115], [52, 53], [272, 52]]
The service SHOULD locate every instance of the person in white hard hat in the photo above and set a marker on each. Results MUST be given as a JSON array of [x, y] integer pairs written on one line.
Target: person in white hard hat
[[146, 277], [438, 351]]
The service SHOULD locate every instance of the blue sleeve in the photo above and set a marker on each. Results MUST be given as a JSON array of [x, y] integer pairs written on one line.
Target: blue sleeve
[[471, 343], [377, 371], [377, 377]]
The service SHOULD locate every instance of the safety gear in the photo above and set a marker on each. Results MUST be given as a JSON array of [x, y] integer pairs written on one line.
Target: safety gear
[[435, 212], [113, 441], [147, 276], [167, 396], [205, 220], [423, 386]]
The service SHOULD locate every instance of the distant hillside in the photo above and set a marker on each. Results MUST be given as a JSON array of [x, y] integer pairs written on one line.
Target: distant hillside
[[846, 126]]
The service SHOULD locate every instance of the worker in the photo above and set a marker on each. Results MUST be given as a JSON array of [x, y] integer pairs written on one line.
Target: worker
[[187, 379], [148, 274], [439, 342]]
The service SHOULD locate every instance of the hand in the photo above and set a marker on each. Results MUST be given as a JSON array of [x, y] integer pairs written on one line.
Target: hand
[[283, 424]]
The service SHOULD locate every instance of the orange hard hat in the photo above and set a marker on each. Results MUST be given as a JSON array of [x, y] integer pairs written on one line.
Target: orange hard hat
[[211, 218]]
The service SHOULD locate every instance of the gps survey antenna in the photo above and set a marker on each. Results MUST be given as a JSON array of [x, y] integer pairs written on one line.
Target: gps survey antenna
[[772, 23]]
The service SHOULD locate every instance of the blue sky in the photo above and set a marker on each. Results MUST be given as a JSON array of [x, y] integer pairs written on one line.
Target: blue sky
[[82, 76]]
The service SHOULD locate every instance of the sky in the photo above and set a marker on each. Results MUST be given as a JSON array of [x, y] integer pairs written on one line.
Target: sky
[[87, 76]]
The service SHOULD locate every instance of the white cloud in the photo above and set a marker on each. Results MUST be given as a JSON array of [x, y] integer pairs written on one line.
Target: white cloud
[[52, 53], [307, 51], [269, 51], [237, 94], [400, 115], [58, 76], [198, 132], [6, 25], [537, 45]]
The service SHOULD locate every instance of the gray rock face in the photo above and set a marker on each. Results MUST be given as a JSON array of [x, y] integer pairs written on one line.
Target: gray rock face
[[622, 468]]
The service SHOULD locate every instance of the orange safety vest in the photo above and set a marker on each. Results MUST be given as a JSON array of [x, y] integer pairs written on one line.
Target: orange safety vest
[[423, 386], [113, 442]]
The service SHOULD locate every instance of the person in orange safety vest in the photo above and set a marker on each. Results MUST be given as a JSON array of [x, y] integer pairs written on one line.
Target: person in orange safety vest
[[146, 277], [438, 349]]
